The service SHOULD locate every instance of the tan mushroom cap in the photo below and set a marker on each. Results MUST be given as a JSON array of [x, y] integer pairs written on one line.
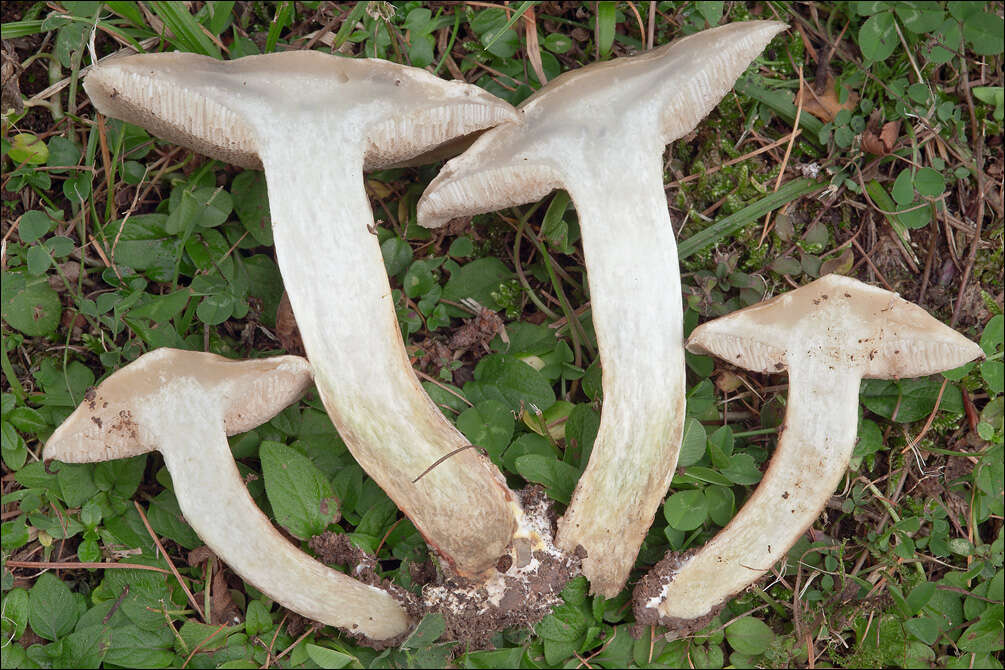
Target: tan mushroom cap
[[663, 93], [207, 105], [841, 321], [103, 427]]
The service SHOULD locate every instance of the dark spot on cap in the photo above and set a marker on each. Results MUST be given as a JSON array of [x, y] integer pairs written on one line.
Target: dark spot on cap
[[96, 421], [504, 563], [785, 496]]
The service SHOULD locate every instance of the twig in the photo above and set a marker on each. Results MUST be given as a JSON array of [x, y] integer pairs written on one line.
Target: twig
[[74, 565], [434, 380], [768, 147], [445, 457], [294, 644], [170, 563], [203, 643], [979, 176], [931, 417], [926, 276], [872, 265], [788, 153]]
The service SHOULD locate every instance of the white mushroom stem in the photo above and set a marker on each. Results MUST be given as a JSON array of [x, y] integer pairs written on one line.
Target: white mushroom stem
[[184, 404], [360, 365], [600, 133], [315, 122], [188, 426], [829, 335], [629, 247], [821, 420]]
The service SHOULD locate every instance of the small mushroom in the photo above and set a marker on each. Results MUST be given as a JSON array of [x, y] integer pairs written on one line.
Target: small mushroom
[[315, 122], [600, 132], [184, 404], [828, 335]]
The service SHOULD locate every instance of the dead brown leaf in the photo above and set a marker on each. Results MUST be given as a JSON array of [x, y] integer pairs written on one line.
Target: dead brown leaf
[[839, 265], [882, 143], [286, 327], [225, 610], [826, 105], [479, 330], [200, 555], [533, 47]]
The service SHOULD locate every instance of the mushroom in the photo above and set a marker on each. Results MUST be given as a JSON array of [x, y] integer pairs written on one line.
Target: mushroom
[[828, 335], [600, 132], [184, 404], [315, 122]]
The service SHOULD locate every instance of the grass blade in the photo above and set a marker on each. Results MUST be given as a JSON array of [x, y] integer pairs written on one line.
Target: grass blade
[[780, 103], [188, 34], [606, 16], [130, 11], [752, 212], [279, 22], [524, 6], [20, 29], [348, 24]]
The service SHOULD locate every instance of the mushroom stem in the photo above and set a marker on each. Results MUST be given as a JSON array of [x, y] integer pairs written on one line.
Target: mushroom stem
[[216, 503], [600, 132], [345, 312], [184, 404], [829, 335], [821, 420], [634, 294], [315, 121]]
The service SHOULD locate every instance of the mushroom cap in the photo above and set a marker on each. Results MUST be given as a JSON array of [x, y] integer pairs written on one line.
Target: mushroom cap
[[220, 108], [105, 427], [840, 322], [638, 103]]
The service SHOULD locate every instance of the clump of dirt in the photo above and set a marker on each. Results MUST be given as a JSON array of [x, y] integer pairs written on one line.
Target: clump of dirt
[[422, 573], [650, 591], [337, 549], [523, 588], [519, 591]]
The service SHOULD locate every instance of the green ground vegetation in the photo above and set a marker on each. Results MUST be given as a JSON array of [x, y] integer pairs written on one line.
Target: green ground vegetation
[[115, 243]]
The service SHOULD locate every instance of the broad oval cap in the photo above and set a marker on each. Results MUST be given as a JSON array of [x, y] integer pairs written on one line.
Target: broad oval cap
[[223, 109], [839, 322], [105, 425], [637, 103]]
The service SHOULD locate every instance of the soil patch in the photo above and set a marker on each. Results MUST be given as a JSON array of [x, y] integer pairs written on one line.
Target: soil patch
[[650, 590]]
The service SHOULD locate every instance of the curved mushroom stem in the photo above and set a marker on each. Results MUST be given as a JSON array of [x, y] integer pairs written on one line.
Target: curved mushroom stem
[[812, 455], [829, 334], [634, 294], [600, 132], [342, 299], [216, 503], [314, 121]]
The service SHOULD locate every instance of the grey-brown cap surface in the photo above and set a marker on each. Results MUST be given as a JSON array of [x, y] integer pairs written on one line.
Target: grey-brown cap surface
[[250, 392], [207, 105]]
